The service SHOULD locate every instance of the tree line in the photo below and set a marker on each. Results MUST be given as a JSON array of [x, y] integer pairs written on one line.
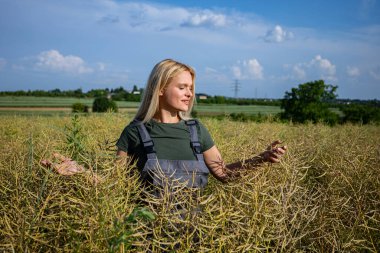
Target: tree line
[[309, 102], [118, 94], [121, 94], [312, 102]]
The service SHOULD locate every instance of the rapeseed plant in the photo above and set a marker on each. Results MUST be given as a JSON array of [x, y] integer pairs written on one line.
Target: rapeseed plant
[[324, 196]]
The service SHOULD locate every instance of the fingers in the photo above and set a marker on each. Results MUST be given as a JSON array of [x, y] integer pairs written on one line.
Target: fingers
[[60, 157], [45, 163], [280, 150], [275, 153], [68, 168], [274, 160], [63, 165], [274, 144]]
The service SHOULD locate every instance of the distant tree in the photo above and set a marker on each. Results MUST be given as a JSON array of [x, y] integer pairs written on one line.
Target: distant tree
[[310, 102], [364, 114], [79, 107], [78, 93], [220, 99], [135, 94], [97, 93], [55, 92], [103, 104], [118, 94]]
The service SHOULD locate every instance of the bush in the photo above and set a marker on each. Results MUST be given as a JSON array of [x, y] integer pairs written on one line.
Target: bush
[[79, 107], [103, 104]]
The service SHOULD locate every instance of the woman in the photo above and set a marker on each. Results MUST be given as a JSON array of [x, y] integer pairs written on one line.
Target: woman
[[164, 114], [162, 131]]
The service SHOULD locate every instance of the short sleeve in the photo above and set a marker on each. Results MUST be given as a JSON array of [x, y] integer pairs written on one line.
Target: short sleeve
[[128, 139], [205, 138]]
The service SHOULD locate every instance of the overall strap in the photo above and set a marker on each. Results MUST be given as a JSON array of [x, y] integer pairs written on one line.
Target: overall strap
[[194, 141], [146, 140]]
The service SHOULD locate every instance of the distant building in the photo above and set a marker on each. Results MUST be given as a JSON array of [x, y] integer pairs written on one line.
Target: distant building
[[201, 96]]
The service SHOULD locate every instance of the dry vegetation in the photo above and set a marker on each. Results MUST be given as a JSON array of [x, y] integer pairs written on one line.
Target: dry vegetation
[[323, 197]]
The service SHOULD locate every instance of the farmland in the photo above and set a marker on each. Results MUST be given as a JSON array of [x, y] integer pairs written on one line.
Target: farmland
[[11, 105], [323, 197]]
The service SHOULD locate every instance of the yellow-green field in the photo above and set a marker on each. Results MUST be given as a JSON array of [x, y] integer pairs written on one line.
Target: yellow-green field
[[323, 197]]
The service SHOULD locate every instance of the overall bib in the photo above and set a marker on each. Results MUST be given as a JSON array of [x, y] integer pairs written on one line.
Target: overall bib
[[171, 174]]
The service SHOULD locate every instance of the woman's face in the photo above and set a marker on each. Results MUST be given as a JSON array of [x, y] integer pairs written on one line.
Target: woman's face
[[177, 95]]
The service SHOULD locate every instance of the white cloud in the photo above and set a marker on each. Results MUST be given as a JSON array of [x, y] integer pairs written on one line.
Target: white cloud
[[299, 72], [237, 72], [352, 71], [324, 66], [159, 17], [318, 67], [3, 62], [55, 61], [215, 75], [255, 70], [248, 69], [205, 18], [277, 35], [209, 70]]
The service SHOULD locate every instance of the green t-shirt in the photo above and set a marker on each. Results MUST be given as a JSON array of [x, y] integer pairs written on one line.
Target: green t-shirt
[[171, 141]]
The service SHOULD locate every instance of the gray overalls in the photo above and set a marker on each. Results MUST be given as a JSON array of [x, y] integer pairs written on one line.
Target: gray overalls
[[174, 173]]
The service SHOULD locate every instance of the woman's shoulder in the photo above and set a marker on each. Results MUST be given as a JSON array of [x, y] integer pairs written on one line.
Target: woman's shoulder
[[196, 122], [201, 128], [131, 129]]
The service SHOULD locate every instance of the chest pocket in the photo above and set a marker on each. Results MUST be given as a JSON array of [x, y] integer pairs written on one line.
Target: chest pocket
[[174, 173]]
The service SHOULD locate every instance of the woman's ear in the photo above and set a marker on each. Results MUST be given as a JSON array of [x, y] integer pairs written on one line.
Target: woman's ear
[[161, 92]]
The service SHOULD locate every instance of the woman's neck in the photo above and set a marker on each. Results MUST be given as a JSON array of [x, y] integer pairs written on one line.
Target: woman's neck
[[166, 117]]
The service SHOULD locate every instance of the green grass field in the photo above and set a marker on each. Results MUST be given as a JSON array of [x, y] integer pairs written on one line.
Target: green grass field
[[13, 101], [10, 105], [213, 109]]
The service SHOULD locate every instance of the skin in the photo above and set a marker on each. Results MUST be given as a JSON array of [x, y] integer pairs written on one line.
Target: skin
[[67, 167], [175, 98]]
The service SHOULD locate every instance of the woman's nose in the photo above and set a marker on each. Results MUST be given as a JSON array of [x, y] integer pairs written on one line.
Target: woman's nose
[[189, 92]]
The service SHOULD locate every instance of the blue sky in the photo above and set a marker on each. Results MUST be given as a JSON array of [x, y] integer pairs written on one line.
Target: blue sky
[[268, 46]]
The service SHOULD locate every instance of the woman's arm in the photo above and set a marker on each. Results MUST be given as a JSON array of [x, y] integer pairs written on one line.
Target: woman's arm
[[224, 173], [121, 154]]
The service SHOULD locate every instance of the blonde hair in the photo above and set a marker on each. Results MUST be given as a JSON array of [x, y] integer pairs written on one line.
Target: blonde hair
[[161, 75]]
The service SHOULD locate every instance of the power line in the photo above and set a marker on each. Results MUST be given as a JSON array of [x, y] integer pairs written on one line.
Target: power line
[[236, 87]]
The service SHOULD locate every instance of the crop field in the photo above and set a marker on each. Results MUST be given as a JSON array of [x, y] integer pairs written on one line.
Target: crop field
[[53, 102], [215, 109], [50, 106], [324, 196]]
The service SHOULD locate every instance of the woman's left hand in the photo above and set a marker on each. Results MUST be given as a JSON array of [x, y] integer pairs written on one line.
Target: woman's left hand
[[274, 153]]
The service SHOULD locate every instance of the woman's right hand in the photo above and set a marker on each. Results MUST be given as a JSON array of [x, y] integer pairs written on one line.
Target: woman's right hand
[[63, 165]]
